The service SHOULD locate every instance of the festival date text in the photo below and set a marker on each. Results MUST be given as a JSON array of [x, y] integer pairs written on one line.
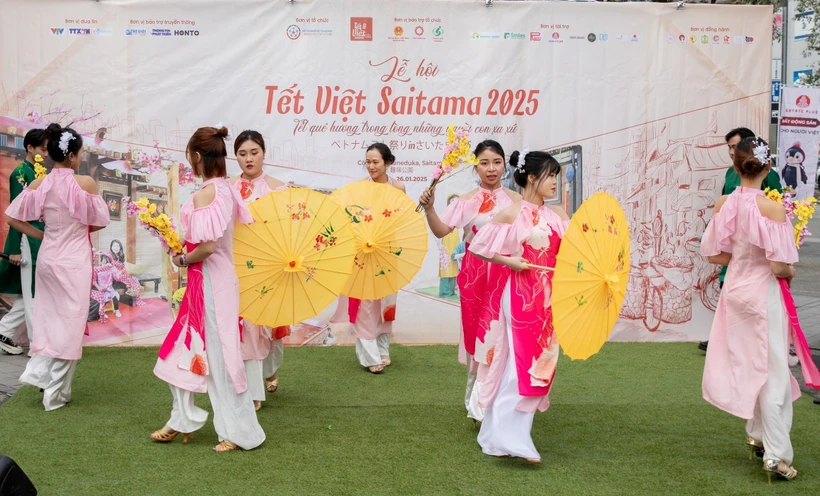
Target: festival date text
[[337, 101], [413, 179]]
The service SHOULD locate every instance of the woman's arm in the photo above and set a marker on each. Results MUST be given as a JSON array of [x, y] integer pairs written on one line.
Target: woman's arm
[[205, 249], [89, 186], [722, 259], [25, 228], [200, 253], [781, 270], [515, 263], [437, 227]]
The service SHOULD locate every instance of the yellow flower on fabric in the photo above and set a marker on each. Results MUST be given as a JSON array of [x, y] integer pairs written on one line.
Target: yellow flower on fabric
[[178, 295]]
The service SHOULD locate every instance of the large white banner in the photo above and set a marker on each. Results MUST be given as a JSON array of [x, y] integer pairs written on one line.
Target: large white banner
[[634, 98], [799, 121]]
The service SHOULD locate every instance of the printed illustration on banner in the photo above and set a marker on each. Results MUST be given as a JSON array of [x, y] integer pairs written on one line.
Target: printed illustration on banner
[[693, 39], [515, 36], [750, 39], [716, 40], [670, 39], [727, 40], [682, 38], [591, 37], [419, 30], [398, 31], [57, 31], [104, 32], [634, 37], [293, 32], [186, 32], [160, 32], [438, 32], [136, 32], [603, 37], [535, 36], [704, 39]]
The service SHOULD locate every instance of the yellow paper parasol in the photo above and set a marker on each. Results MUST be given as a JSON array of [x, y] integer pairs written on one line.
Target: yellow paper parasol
[[590, 276], [391, 238], [293, 261]]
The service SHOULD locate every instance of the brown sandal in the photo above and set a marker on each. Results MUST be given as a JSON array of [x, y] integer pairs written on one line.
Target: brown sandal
[[166, 435], [226, 446]]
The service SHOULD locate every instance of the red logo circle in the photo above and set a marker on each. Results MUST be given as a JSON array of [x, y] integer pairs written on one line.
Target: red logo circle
[[803, 101], [555, 36], [419, 30], [398, 31]]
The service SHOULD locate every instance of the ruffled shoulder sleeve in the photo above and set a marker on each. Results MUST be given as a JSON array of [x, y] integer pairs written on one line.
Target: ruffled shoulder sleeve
[[492, 239], [503, 239], [84, 207], [210, 222], [460, 212], [717, 237], [28, 205], [775, 238], [556, 223]]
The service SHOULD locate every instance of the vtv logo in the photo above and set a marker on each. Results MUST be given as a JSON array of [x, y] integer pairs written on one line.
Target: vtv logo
[[57, 31]]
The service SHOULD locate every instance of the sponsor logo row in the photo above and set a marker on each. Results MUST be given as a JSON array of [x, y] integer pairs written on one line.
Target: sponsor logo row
[[715, 39], [128, 32]]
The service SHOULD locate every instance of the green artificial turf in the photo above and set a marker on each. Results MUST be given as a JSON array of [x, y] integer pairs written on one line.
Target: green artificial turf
[[628, 421]]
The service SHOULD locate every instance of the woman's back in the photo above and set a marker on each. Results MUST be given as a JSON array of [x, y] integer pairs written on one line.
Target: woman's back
[[66, 214], [755, 231]]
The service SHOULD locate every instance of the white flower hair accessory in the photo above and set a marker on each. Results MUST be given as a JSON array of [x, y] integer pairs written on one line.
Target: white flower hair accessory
[[521, 156], [64, 139], [761, 152], [220, 125]]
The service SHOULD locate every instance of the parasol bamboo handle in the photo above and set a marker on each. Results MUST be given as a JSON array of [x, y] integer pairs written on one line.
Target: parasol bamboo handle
[[540, 267]]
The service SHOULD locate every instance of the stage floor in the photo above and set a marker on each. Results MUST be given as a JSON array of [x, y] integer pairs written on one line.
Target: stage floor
[[629, 421]]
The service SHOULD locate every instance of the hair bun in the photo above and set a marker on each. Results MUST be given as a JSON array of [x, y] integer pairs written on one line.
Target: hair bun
[[514, 158], [751, 167], [54, 131], [222, 132]]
